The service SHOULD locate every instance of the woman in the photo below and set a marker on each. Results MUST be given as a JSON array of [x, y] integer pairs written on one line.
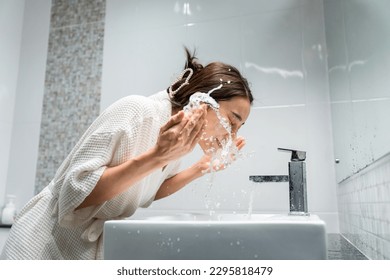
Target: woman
[[127, 158]]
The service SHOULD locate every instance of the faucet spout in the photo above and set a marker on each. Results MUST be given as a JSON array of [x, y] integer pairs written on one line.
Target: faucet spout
[[269, 178]]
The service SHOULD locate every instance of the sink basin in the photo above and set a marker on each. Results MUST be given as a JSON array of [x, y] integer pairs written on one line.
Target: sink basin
[[220, 236]]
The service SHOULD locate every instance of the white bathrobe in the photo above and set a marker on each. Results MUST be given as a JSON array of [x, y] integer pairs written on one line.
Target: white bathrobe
[[49, 227]]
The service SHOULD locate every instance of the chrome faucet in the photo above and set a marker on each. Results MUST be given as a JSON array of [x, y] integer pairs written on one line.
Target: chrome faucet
[[297, 181]]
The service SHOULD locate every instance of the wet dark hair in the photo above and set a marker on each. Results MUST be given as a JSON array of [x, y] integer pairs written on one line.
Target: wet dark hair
[[205, 78]]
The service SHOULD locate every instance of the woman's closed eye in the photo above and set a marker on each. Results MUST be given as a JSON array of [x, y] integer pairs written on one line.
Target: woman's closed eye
[[235, 121]]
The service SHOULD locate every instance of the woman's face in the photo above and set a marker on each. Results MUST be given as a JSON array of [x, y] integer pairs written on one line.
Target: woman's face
[[235, 111]]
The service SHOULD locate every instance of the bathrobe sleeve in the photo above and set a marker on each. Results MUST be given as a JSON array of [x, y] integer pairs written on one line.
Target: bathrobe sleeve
[[91, 156]]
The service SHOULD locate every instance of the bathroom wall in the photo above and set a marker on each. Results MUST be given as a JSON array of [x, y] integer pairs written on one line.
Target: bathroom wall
[[58, 92], [24, 29], [358, 55], [11, 21], [358, 39], [364, 207], [279, 46], [72, 82], [28, 100]]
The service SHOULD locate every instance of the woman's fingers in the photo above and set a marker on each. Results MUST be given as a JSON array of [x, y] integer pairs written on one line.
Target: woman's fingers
[[240, 142], [198, 135], [181, 133], [196, 123], [176, 119]]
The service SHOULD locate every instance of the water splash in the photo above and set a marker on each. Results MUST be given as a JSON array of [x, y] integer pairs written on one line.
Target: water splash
[[221, 157], [200, 97], [228, 151]]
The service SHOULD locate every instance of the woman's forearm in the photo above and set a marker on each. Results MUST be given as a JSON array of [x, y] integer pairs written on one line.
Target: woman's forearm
[[176, 138], [178, 181], [117, 179]]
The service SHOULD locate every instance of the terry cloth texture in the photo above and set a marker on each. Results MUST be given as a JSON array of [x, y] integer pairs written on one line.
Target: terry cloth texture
[[50, 227]]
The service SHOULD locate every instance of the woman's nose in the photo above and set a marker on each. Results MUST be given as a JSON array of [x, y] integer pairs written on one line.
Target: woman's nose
[[234, 132]]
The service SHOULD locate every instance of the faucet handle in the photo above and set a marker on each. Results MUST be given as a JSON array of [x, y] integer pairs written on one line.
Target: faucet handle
[[295, 154]]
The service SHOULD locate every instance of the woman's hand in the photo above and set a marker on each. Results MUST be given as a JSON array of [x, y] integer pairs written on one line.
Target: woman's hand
[[177, 137], [180, 134], [207, 164]]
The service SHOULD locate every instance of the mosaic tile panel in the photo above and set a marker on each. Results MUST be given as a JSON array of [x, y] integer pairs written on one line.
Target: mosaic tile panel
[[72, 82], [76, 12], [364, 209]]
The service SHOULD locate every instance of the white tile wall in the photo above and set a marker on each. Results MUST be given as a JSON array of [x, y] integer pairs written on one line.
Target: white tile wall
[[5, 143], [11, 21], [359, 62], [364, 207], [279, 46], [23, 148], [273, 63]]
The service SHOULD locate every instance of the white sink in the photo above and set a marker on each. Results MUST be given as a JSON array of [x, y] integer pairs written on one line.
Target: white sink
[[148, 235]]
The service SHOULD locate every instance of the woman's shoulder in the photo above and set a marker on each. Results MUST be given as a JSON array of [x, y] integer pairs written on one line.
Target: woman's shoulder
[[130, 113], [131, 105], [131, 101]]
